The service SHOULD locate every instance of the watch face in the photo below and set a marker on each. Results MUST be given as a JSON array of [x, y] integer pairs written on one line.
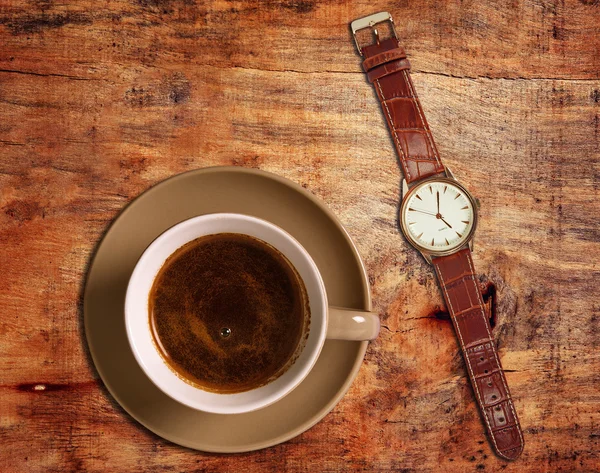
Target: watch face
[[438, 216]]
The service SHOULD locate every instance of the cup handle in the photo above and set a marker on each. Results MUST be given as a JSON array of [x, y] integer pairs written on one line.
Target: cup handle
[[348, 324]]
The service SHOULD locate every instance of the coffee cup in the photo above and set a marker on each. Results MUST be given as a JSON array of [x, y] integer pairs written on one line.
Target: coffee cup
[[326, 322]]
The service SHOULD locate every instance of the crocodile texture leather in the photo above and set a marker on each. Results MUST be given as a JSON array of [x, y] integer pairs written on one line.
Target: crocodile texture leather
[[463, 299], [387, 69]]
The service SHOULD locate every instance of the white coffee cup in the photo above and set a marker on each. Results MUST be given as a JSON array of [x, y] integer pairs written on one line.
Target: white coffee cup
[[326, 322]]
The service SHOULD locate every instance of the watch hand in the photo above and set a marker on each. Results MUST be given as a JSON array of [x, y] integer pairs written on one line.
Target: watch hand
[[438, 201], [423, 212], [442, 219]]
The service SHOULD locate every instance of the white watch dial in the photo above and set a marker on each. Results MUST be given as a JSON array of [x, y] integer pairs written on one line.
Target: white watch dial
[[438, 216]]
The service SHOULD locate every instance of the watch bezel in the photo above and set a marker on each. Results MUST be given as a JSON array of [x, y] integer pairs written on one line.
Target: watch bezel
[[408, 236]]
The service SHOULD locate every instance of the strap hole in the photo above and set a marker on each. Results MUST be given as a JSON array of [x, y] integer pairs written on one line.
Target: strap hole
[[494, 397], [486, 371], [498, 409], [501, 419], [490, 384], [481, 358]]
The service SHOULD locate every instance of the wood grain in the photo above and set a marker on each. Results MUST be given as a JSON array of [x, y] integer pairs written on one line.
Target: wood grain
[[100, 101]]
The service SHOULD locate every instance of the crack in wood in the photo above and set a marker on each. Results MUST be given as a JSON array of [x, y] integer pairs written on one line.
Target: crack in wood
[[397, 331], [50, 74], [516, 78]]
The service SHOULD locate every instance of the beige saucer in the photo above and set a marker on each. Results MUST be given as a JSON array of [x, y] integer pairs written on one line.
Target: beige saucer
[[222, 189]]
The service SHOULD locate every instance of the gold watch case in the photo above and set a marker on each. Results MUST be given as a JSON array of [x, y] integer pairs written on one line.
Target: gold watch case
[[427, 253]]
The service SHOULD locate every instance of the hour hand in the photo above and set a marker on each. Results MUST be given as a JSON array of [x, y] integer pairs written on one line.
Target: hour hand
[[442, 219]]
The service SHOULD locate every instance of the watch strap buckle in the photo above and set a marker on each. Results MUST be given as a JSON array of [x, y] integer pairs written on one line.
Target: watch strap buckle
[[370, 22]]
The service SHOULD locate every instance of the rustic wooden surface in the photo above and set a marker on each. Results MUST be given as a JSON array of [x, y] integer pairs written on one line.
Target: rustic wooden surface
[[100, 100]]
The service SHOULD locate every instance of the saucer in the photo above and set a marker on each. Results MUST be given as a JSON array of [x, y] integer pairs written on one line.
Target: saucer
[[222, 189]]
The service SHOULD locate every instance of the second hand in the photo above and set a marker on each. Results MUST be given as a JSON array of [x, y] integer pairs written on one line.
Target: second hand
[[431, 213], [423, 212]]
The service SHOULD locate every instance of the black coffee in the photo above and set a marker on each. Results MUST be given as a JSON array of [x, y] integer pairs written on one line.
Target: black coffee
[[228, 312]]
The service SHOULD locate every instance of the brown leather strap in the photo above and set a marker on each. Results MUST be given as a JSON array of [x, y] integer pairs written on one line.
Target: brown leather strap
[[387, 68], [466, 308]]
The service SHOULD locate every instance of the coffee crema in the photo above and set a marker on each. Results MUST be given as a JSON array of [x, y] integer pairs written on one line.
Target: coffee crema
[[228, 313]]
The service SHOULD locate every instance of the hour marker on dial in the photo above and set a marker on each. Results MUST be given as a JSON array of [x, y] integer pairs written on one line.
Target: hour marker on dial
[[459, 235], [447, 242], [465, 207], [432, 241], [445, 189], [465, 221], [420, 235], [430, 189], [418, 197], [457, 196]]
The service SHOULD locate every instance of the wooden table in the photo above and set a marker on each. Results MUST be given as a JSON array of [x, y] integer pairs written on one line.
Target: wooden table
[[100, 100]]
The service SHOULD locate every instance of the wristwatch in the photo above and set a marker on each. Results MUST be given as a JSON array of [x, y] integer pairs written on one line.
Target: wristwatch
[[438, 216]]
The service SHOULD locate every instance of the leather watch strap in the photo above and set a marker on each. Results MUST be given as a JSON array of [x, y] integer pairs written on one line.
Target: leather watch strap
[[387, 69], [463, 299]]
